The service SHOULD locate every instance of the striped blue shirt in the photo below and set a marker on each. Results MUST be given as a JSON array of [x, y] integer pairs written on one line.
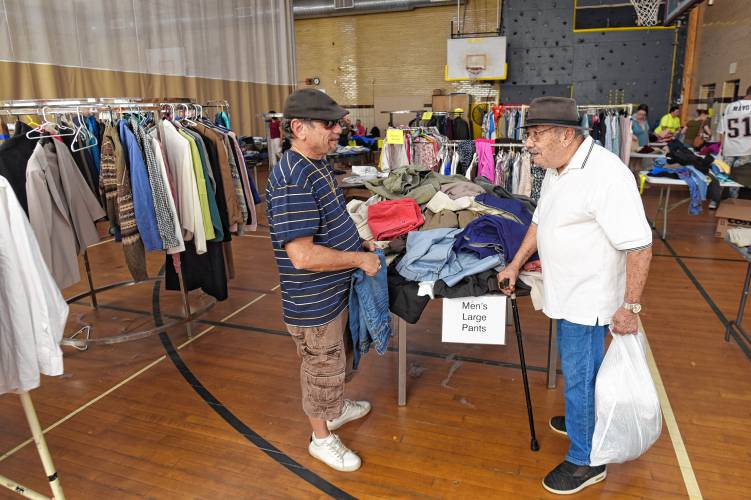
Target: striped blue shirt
[[300, 202]]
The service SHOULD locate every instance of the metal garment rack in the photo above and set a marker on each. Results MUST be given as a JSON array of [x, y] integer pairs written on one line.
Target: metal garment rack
[[401, 112], [42, 107], [222, 104], [44, 455], [629, 108]]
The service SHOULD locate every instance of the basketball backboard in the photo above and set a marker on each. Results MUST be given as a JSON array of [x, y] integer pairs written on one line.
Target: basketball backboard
[[611, 15], [481, 58], [676, 8]]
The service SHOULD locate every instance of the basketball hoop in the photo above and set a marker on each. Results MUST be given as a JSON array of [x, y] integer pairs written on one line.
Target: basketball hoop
[[646, 11]]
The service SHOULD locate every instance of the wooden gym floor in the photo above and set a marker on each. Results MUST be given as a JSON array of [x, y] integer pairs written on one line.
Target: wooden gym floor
[[219, 416]]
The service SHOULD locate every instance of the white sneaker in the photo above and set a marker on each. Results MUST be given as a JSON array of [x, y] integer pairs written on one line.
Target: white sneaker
[[712, 205], [351, 410], [333, 453]]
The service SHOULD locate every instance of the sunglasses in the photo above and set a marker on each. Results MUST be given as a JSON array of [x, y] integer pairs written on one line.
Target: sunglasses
[[327, 124]]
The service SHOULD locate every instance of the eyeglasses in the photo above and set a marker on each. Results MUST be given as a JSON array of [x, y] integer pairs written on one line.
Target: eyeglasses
[[534, 135], [327, 124]]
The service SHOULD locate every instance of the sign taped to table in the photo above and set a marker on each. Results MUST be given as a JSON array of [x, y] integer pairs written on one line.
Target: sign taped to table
[[475, 320]]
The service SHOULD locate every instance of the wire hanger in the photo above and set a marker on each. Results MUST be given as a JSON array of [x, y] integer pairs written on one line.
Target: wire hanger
[[82, 135], [39, 130]]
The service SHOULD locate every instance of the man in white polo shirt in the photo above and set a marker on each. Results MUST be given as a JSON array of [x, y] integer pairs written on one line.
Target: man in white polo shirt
[[595, 246]]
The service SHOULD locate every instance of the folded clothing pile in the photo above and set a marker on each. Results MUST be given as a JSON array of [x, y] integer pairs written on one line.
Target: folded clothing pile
[[391, 218]]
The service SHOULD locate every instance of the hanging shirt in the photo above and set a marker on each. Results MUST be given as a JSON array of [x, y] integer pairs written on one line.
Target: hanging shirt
[[178, 234], [203, 196], [159, 189], [180, 163], [216, 220], [143, 200], [33, 310]]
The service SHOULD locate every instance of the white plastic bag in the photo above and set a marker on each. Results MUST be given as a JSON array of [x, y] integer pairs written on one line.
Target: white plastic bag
[[628, 417]]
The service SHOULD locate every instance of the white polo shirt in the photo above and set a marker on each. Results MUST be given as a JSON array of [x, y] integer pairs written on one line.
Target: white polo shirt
[[587, 217]]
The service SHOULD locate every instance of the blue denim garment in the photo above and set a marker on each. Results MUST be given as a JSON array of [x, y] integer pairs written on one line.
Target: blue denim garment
[[581, 348], [467, 264], [143, 203], [430, 257], [369, 315], [427, 254], [491, 235], [697, 187]]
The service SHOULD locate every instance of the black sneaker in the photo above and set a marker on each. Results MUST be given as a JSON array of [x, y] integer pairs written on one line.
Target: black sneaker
[[569, 478], [558, 424]]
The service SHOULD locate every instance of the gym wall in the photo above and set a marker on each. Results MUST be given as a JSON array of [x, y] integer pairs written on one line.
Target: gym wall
[[723, 38], [360, 59]]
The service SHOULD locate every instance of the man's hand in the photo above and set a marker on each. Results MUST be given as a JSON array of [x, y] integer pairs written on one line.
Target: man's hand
[[510, 273], [369, 245], [370, 263], [625, 322]]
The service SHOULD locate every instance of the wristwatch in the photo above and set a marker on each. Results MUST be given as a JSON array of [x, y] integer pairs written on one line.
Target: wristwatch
[[634, 308]]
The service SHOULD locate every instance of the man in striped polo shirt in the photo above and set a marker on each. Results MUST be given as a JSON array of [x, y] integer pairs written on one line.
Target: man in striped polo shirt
[[317, 247]]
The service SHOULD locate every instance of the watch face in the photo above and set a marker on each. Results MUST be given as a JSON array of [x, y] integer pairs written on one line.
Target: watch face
[[636, 308]]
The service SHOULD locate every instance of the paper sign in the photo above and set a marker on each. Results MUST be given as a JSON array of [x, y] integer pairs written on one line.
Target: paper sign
[[427, 115], [395, 136], [475, 320]]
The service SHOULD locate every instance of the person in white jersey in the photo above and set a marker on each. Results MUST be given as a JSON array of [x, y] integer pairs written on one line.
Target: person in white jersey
[[735, 130]]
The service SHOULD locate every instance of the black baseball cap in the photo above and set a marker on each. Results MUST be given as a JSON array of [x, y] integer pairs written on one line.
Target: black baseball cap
[[312, 104]]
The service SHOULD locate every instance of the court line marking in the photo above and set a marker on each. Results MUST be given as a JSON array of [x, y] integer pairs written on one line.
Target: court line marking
[[684, 462], [128, 379]]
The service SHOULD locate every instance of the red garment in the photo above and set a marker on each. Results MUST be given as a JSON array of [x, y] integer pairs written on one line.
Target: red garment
[[533, 266], [274, 131], [391, 218], [361, 130]]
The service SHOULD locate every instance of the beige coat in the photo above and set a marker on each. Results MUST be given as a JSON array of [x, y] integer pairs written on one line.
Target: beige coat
[[62, 210]]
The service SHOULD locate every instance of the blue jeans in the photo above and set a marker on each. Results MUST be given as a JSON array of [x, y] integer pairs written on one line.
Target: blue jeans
[[369, 315], [581, 348]]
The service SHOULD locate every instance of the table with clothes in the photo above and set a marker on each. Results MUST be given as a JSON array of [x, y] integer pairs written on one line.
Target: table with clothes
[[442, 237], [682, 167]]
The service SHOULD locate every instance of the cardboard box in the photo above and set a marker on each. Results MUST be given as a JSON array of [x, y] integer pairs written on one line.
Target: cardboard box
[[732, 213]]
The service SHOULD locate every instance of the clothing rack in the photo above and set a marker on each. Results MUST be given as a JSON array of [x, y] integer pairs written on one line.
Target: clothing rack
[[400, 112], [44, 455], [222, 104], [629, 108], [82, 338]]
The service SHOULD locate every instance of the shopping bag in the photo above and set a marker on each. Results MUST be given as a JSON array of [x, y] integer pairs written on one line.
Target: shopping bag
[[628, 417]]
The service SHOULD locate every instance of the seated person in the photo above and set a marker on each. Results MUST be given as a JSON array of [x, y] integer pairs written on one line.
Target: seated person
[[640, 129], [670, 125], [697, 130]]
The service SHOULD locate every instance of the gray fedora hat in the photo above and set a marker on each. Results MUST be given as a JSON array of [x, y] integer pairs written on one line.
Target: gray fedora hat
[[559, 111]]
